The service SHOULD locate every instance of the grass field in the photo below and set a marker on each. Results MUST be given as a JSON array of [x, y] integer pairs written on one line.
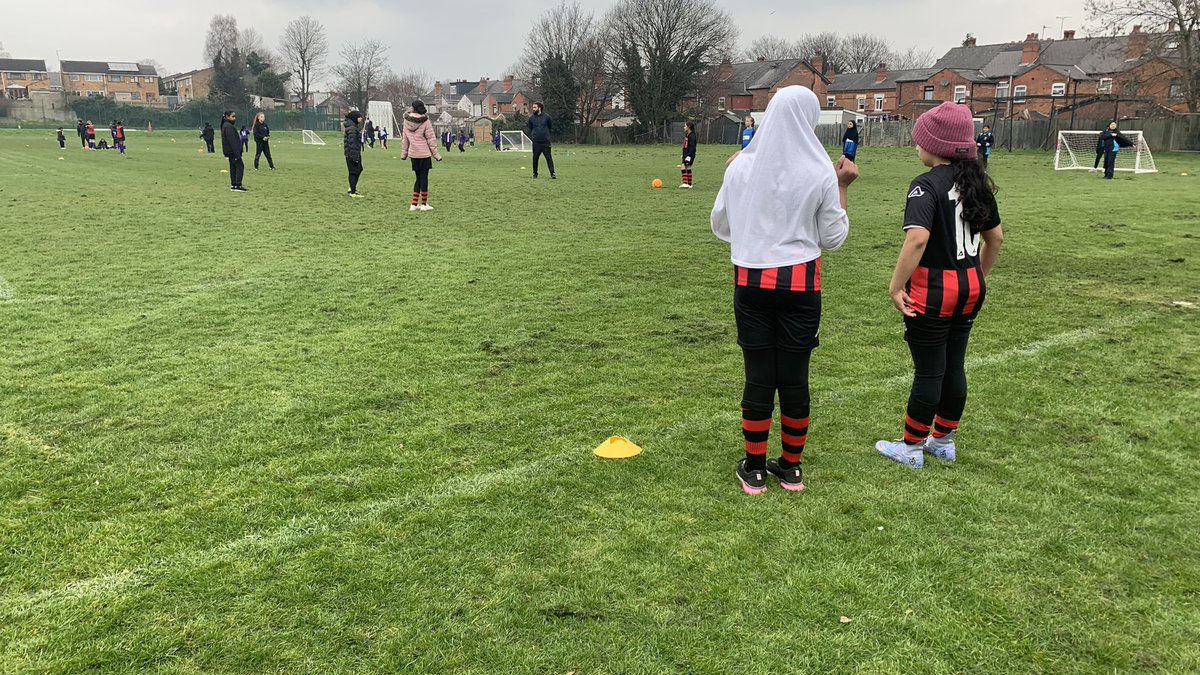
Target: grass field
[[289, 431]]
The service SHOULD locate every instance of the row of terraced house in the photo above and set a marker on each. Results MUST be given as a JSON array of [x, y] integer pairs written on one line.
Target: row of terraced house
[[120, 80]]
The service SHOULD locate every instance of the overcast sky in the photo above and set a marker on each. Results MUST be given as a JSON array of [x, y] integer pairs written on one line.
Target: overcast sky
[[480, 38]]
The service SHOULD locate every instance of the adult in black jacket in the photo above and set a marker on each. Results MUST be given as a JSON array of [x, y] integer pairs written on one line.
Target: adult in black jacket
[[207, 134], [1109, 143], [81, 129], [231, 147], [370, 131], [262, 140], [352, 148], [850, 140], [539, 126]]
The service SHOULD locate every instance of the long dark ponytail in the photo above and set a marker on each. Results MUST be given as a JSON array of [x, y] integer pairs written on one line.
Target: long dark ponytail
[[975, 192]]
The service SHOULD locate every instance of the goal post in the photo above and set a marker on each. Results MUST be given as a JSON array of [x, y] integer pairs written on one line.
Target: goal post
[[381, 115], [1078, 150], [515, 141], [311, 138]]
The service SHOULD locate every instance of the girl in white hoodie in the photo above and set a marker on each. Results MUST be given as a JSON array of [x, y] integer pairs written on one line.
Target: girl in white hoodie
[[782, 203]]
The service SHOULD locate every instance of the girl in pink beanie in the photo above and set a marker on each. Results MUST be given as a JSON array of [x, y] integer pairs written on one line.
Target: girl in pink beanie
[[938, 284]]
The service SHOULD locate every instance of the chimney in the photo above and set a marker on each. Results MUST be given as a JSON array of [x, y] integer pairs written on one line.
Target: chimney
[[971, 41], [1031, 49], [508, 80], [1136, 48], [726, 70], [483, 85], [818, 62], [437, 89], [1068, 35], [880, 72]]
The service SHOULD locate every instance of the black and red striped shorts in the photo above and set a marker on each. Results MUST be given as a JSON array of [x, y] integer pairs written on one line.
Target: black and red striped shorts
[[947, 293]]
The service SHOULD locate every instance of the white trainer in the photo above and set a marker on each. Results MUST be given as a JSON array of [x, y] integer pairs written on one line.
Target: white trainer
[[902, 453], [414, 207], [425, 207]]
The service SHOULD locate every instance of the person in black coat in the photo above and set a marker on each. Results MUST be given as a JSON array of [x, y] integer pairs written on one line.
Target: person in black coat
[[352, 146], [207, 134], [1110, 142], [850, 140], [689, 153], [539, 126], [983, 144], [262, 140], [370, 131], [62, 140], [231, 147], [81, 129]]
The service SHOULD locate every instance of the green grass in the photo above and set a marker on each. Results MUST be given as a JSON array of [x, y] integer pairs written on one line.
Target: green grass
[[289, 431]]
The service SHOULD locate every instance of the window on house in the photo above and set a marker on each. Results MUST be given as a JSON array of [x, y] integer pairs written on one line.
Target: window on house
[[1019, 93], [879, 102], [116, 78], [928, 93], [16, 76], [1104, 86], [94, 78], [94, 94], [525, 108], [1058, 89], [830, 101], [1176, 89], [721, 103], [1002, 92], [135, 95], [493, 108], [862, 103], [960, 93]]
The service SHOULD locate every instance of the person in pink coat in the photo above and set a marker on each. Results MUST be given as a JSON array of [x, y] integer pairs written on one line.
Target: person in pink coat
[[420, 145]]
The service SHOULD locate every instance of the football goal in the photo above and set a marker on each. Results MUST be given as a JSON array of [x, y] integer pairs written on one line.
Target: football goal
[[381, 115], [1078, 150], [516, 141], [311, 138]]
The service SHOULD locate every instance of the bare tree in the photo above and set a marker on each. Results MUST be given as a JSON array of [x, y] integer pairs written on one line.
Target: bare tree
[[829, 46], [304, 49], [863, 51], [363, 69], [403, 88], [582, 41], [912, 58], [774, 48], [156, 65], [662, 46], [1172, 27], [222, 37]]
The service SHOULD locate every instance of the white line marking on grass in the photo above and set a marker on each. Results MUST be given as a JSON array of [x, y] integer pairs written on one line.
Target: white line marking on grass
[[16, 605], [6, 290]]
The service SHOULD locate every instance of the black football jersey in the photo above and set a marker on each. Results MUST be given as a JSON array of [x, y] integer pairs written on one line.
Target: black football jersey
[[933, 204]]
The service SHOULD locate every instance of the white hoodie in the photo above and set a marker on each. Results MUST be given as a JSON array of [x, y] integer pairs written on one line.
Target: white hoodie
[[779, 204]]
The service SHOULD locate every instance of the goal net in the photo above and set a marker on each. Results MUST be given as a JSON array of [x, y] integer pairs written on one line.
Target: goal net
[[1078, 150], [516, 141], [311, 138], [381, 115]]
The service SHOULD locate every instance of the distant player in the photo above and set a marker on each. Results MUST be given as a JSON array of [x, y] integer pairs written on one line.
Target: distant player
[[352, 146], [231, 147], [419, 144], [206, 134], [262, 140], [90, 130], [983, 145], [383, 136], [448, 139], [782, 203], [112, 129], [462, 141], [850, 141], [369, 133], [119, 135], [1109, 144], [81, 129], [62, 140], [748, 131], [689, 153], [245, 138], [540, 126], [496, 140], [938, 284]]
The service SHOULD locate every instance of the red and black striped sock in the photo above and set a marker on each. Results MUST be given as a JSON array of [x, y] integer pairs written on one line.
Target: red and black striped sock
[[943, 427], [794, 435], [915, 431], [416, 196], [756, 429], [424, 197], [687, 176]]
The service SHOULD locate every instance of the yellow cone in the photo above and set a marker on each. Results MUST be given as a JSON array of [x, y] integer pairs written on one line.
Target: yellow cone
[[617, 447]]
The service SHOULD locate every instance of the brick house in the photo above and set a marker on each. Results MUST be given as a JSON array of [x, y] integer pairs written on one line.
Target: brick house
[[487, 98], [194, 84], [20, 77], [749, 86], [1119, 75], [122, 81]]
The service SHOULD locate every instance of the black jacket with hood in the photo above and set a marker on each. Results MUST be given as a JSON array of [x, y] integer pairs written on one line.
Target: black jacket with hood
[[352, 138], [231, 139], [539, 128], [261, 131]]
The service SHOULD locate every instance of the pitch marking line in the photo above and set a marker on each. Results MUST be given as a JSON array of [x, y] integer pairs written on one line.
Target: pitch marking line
[[18, 605]]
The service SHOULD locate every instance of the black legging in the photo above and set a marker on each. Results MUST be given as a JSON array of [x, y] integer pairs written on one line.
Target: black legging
[[236, 169], [355, 167], [263, 147], [540, 149], [421, 184], [939, 349], [1110, 163]]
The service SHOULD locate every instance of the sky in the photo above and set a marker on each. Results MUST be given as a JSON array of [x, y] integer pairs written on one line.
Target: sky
[[480, 39]]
